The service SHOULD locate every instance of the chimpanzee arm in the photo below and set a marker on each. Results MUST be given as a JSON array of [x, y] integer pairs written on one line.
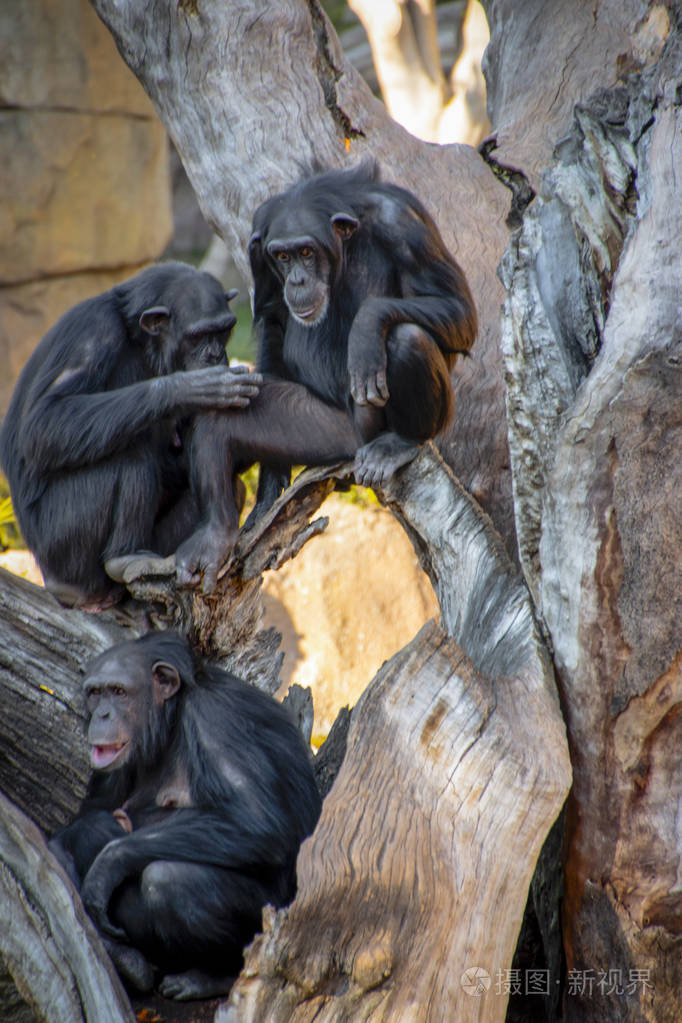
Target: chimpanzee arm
[[190, 835], [69, 427], [77, 845], [448, 319]]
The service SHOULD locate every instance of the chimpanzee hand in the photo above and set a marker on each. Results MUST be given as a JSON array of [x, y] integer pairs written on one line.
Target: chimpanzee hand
[[105, 875], [367, 356], [213, 387], [204, 552], [123, 819]]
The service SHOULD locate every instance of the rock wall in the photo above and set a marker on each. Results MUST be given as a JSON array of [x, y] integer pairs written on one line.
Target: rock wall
[[85, 190], [350, 599]]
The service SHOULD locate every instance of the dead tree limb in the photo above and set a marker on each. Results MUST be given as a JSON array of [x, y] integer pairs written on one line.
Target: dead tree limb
[[456, 767]]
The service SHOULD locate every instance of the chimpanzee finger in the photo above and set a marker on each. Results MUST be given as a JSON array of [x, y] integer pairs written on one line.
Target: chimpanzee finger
[[186, 577], [358, 391], [375, 395], [248, 379], [210, 578], [382, 385]]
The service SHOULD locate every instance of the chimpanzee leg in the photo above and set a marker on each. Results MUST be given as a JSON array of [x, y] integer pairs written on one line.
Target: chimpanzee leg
[[419, 406], [192, 918], [284, 425], [77, 845], [72, 543], [178, 522]]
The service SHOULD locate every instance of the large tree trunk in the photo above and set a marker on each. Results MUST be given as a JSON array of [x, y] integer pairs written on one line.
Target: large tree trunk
[[459, 737], [415, 880], [481, 774]]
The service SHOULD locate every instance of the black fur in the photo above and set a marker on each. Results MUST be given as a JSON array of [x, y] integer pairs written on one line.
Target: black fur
[[370, 377], [396, 253], [253, 800], [93, 441]]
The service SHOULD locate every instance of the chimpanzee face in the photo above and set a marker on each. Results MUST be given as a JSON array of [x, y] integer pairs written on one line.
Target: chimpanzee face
[[124, 704], [192, 327], [303, 267], [304, 249]]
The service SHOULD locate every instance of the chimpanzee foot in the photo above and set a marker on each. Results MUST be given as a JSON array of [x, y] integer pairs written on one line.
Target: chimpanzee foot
[[377, 461], [73, 597], [194, 984], [204, 553], [131, 965], [125, 568]]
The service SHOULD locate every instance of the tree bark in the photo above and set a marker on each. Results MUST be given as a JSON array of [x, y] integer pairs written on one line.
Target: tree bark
[[585, 112], [418, 872], [48, 941]]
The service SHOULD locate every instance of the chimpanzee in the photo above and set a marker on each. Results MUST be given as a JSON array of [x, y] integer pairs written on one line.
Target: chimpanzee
[[94, 442], [202, 794], [360, 311]]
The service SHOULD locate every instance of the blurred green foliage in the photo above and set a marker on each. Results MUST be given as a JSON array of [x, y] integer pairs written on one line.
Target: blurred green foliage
[[241, 344], [10, 536]]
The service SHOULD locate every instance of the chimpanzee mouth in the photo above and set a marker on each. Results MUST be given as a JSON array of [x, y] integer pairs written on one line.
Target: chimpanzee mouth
[[310, 315], [102, 757]]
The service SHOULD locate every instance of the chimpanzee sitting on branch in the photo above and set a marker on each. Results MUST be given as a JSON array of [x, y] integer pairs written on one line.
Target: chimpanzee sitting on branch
[[360, 311], [202, 794], [95, 440]]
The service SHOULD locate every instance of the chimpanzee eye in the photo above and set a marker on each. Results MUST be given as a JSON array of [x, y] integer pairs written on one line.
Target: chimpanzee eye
[[306, 252], [118, 691], [282, 256]]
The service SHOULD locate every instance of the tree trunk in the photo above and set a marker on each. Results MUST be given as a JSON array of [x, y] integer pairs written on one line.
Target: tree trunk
[[414, 883], [587, 354], [466, 718], [48, 941]]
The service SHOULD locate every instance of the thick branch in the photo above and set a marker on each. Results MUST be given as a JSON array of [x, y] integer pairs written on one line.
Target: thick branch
[[46, 939], [455, 769]]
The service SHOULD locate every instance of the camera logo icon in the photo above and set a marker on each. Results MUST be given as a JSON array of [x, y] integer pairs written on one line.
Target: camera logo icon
[[475, 981]]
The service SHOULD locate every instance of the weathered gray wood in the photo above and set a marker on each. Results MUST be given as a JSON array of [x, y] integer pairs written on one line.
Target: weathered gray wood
[[593, 348], [46, 938], [456, 766], [249, 90], [43, 761], [610, 591]]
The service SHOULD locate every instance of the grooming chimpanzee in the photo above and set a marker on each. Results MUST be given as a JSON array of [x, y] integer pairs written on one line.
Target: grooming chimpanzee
[[202, 794], [94, 442], [360, 311]]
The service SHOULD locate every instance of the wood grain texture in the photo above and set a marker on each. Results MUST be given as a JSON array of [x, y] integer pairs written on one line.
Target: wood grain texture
[[545, 56], [611, 551], [455, 768], [46, 938]]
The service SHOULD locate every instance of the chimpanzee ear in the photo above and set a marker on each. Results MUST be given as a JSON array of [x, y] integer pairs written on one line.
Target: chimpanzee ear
[[166, 681], [155, 319], [232, 293], [255, 248], [345, 225]]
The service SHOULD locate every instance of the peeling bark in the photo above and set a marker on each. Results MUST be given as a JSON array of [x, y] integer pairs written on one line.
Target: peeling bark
[[586, 111], [593, 352]]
